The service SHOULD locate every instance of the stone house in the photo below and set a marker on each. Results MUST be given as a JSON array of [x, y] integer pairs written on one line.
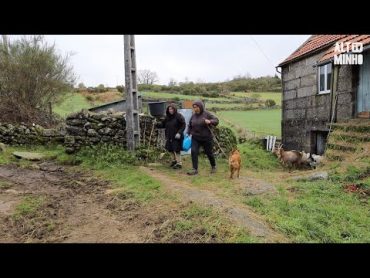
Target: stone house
[[318, 91]]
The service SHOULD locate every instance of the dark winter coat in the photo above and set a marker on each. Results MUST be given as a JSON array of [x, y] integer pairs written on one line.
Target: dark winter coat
[[173, 124], [197, 126]]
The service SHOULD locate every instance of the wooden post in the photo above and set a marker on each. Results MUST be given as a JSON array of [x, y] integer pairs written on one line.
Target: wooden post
[[50, 110], [132, 102]]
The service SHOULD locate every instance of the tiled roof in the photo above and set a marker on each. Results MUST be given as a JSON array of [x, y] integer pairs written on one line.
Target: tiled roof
[[314, 43], [364, 39]]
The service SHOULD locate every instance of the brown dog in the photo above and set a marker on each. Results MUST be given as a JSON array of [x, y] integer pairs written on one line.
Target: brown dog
[[234, 162]]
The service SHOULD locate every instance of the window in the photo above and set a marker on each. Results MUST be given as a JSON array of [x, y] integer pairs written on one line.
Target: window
[[324, 78]]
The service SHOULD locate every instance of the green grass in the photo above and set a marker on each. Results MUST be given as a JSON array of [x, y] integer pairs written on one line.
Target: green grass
[[235, 96], [117, 165], [28, 206], [222, 122], [199, 224], [231, 106], [4, 185], [319, 212], [133, 183], [256, 158], [162, 95], [262, 122], [263, 96], [72, 102], [49, 151]]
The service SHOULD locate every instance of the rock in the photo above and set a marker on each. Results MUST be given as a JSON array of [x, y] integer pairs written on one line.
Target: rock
[[121, 133], [255, 187], [154, 164], [92, 132], [12, 191], [85, 113], [35, 166], [97, 116], [72, 116], [51, 168], [106, 131], [106, 138], [319, 176], [29, 156], [77, 122], [107, 120], [3, 129], [94, 139], [2, 147], [72, 130], [69, 139], [312, 177], [49, 132], [70, 150], [10, 129], [118, 115], [87, 126], [39, 129]]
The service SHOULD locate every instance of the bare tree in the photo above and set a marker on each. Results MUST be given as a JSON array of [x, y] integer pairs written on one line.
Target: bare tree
[[32, 75], [172, 82], [147, 77], [81, 85]]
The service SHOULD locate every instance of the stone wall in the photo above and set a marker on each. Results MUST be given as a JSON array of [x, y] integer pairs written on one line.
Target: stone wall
[[25, 135], [82, 129], [88, 128]]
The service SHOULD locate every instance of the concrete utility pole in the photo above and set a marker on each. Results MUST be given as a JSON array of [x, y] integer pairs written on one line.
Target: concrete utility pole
[[5, 42], [132, 102]]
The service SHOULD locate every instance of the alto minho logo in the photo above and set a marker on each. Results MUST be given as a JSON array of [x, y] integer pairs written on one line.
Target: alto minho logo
[[349, 53]]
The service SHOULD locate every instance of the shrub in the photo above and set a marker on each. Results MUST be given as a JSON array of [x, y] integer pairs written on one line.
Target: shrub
[[270, 103]]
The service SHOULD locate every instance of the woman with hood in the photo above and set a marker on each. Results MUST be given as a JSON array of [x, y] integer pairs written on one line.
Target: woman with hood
[[199, 129], [174, 123]]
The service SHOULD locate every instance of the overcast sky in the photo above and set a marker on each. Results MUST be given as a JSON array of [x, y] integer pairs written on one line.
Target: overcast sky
[[99, 59]]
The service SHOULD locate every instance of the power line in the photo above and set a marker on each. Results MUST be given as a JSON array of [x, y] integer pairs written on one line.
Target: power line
[[263, 53]]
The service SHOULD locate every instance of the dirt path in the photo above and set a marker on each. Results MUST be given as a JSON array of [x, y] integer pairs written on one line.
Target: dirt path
[[76, 208], [239, 214]]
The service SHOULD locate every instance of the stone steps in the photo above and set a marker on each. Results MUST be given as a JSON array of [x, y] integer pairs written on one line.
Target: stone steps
[[333, 155], [341, 146], [347, 137], [350, 136], [356, 125]]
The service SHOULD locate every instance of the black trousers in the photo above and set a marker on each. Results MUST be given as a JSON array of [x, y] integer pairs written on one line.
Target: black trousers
[[207, 145]]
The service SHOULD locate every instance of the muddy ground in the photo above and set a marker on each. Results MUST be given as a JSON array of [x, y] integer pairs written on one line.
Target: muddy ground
[[71, 205], [75, 207]]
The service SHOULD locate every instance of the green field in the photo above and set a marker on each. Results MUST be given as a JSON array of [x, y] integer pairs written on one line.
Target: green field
[[161, 95], [235, 96], [233, 106], [72, 103], [263, 96], [262, 122]]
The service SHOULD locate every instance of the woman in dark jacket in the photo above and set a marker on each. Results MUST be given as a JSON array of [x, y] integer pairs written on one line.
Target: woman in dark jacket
[[174, 123], [199, 128]]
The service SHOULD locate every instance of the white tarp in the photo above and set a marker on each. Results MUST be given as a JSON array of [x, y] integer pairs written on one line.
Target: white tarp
[[187, 115]]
